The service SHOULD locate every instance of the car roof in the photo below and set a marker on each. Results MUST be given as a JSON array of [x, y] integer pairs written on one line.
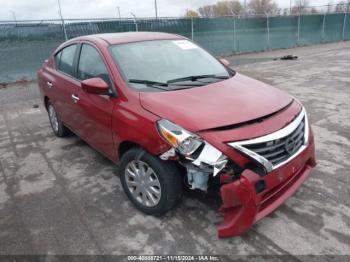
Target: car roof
[[129, 37]]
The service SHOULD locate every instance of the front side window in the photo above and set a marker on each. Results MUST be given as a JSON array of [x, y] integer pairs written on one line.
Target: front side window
[[167, 64], [58, 59], [91, 65], [65, 60]]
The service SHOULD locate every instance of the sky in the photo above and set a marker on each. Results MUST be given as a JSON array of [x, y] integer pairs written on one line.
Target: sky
[[48, 9]]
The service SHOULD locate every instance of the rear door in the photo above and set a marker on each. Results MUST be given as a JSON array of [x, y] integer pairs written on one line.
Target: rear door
[[63, 84], [94, 112]]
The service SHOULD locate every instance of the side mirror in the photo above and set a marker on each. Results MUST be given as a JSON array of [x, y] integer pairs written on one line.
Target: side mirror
[[95, 85], [224, 62]]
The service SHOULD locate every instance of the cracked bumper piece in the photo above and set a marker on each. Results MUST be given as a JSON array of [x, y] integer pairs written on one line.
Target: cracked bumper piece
[[243, 205]]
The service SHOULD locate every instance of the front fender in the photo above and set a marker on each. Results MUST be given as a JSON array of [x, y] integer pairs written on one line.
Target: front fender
[[138, 127]]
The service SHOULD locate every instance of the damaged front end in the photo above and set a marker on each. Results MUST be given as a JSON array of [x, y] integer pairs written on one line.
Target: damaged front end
[[208, 161], [201, 161], [253, 191], [200, 158]]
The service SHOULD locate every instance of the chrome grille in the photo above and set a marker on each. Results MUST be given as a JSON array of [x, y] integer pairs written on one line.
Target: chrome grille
[[275, 149], [279, 150]]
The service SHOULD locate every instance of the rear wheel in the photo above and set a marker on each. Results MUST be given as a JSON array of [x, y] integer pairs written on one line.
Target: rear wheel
[[57, 126], [153, 186]]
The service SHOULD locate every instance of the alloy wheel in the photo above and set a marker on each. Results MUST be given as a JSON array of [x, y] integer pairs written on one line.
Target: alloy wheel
[[53, 118]]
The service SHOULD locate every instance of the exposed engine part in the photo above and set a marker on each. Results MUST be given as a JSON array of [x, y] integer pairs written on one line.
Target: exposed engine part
[[196, 178], [205, 161]]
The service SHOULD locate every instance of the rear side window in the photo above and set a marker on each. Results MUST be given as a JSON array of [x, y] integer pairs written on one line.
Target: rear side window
[[65, 60], [91, 65]]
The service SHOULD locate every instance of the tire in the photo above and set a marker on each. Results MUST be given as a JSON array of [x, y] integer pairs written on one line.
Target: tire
[[56, 124], [166, 173]]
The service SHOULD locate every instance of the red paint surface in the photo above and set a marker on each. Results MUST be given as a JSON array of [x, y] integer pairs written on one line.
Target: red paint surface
[[228, 102]]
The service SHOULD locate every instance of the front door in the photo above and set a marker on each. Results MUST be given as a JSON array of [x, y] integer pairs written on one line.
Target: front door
[[94, 111]]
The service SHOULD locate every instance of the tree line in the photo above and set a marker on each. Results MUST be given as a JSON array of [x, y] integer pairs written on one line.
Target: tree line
[[264, 7]]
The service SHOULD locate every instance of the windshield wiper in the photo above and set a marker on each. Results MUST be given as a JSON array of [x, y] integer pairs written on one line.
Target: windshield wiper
[[161, 85], [195, 78], [154, 84]]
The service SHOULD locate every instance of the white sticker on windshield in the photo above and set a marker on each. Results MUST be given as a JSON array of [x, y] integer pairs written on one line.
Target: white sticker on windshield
[[184, 44]]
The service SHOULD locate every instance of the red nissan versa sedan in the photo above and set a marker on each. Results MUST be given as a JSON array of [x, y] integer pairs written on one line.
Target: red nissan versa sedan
[[171, 115]]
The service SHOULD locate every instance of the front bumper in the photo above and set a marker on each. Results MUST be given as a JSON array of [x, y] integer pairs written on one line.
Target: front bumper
[[242, 206]]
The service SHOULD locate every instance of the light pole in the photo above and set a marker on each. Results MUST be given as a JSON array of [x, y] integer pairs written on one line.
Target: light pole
[[14, 15], [119, 12], [234, 30], [135, 22], [64, 26], [155, 7]]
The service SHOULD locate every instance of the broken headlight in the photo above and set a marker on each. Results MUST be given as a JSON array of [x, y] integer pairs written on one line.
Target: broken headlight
[[204, 157], [182, 140]]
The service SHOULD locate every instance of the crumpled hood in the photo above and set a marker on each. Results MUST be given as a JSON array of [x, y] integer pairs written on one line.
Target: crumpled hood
[[232, 101]]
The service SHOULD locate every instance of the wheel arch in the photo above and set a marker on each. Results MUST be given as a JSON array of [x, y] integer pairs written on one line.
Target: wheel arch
[[46, 101], [125, 146]]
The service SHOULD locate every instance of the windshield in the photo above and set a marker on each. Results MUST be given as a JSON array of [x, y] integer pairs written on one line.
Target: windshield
[[167, 65]]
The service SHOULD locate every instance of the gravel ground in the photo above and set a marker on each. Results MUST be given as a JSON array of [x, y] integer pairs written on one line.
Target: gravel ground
[[59, 196]]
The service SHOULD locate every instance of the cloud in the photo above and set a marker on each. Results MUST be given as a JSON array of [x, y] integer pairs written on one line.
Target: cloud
[[48, 9]]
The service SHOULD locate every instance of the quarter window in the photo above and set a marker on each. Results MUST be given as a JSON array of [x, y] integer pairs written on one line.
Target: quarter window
[[65, 60], [91, 65]]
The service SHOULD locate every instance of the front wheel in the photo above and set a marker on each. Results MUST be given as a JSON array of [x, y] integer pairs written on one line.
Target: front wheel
[[153, 186]]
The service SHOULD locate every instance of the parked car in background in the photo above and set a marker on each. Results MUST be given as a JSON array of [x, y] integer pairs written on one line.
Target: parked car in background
[[171, 115]]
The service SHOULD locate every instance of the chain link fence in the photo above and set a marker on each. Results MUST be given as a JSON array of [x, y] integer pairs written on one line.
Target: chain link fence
[[24, 45]]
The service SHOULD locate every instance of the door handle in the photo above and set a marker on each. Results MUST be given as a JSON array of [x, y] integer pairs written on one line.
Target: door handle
[[75, 99], [49, 84]]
